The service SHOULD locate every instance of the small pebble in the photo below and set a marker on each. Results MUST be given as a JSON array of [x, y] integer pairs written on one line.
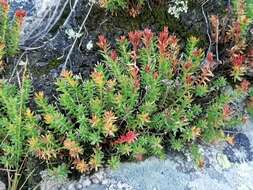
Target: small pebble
[[54, 73], [251, 31], [41, 64]]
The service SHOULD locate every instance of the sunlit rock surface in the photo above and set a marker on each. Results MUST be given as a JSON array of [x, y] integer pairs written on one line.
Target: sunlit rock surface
[[41, 15], [228, 168]]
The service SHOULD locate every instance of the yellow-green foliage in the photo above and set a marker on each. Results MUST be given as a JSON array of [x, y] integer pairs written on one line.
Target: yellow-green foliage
[[9, 30], [249, 8], [17, 125], [250, 103], [115, 6], [141, 89], [236, 37], [143, 95], [244, 12]]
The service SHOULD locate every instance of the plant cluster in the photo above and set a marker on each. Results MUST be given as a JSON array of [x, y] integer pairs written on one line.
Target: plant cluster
[[9, 31], [237, 34], [233, 37], [143, 96], [17, 124], [147, 93], [140, 96], [134, 7]]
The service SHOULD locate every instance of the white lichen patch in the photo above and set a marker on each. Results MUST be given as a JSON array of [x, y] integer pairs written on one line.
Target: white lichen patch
[[72, 34], [89, 45], [223, 161], [177, 7]]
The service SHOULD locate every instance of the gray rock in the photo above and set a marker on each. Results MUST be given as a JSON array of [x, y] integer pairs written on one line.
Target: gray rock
[[62, 188], [120, 185], [71, 186], [86, 182], [98, 177], [41, 15], [112, 187], [52, 182], [49, 184], [41, 64], [94, 180], [79, 186], [124, 186], [37, 15], [2, 186], [54, 73], [96, 187], [105, 182]]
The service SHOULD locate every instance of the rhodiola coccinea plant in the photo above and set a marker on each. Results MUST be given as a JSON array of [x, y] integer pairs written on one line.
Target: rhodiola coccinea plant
[[234, 37], [9, 31], [143, 95]]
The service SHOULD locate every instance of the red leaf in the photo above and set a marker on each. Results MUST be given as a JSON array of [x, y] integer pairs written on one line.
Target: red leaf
[[4, 4], [129, 137], [135, 39], [114, 55], [245, 85], [102, 42], [147, 37], [238, 60], [163, 41], [20, 15]]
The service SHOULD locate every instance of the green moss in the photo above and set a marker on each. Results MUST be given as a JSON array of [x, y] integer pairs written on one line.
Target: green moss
[[250, 110], [249, 8], [250, 104], [53, 63]]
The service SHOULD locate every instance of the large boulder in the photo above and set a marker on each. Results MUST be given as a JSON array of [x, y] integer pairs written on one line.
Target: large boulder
[[41, 17]]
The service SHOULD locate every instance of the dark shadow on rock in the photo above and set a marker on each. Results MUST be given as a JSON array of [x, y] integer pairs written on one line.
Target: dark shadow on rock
[[240, 151]]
